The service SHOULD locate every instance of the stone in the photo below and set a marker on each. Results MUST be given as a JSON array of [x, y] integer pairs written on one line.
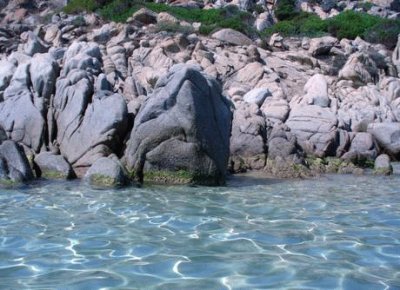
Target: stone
[[316, 91], [107, 172], [14, 165], [322, 46], [396, 56], [275, 110], [248, 138], [360, 69], [232, 37], [382, 165], [53, 166], [182, 129], [388, 137], [315, 129], [145, 16], [257, 96]]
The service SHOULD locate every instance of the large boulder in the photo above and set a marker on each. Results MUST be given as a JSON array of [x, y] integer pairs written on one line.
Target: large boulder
[[388, 137], [86, 125], [107, 172], [14, 165], [26, 99], [53, 166], [182, 131]]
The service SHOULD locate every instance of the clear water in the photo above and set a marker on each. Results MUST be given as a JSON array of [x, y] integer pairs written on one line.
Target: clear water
[[336, 232]]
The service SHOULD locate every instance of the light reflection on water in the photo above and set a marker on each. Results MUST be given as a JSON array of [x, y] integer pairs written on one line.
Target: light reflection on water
[[336, 232]]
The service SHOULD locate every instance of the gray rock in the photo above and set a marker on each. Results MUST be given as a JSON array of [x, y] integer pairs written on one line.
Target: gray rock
[[382, 165], [86, 125], [183, 127], [14, 164], [315, 129], [322, 45], [107, 172], [144, 16], [33, 44], [362, 149], [396, 56], [257, 96], [248, 139], [232, 37], [54, 166], [360, 69], [7, 70], [275, 110], [388, 137]]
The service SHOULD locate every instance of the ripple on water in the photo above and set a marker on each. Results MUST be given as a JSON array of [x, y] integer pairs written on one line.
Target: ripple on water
[[337, 232]]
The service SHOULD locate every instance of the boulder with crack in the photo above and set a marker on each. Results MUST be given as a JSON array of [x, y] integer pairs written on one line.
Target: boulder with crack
[[181, 133]]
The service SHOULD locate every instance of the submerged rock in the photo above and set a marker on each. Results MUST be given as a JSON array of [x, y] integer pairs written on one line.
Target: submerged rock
[[183, 127]]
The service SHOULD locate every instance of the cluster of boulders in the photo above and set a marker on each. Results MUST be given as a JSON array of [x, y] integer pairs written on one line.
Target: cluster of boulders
[[115, 103]]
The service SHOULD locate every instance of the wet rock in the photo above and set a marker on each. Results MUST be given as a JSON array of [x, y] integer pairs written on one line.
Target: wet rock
[[53, 166], [183, 127], [14, 166], [382, 165], [107, 172]]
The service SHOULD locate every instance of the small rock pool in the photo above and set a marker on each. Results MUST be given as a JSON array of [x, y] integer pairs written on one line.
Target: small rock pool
[[334, 232]]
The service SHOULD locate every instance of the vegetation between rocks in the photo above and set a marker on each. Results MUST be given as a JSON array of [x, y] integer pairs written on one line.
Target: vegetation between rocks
[[348, 24], [210, 19]]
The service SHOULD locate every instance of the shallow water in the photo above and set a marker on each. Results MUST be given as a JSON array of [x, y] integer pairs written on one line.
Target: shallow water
[[336, 232]]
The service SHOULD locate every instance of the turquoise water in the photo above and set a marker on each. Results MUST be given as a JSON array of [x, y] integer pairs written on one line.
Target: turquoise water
[[336, 232]]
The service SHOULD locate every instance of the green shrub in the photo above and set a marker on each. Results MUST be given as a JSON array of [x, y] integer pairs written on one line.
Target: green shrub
[[286, 10], [350, 24], [75, 6], [385, 32]]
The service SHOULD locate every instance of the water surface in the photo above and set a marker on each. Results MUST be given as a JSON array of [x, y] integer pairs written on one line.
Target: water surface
[[336, 232]]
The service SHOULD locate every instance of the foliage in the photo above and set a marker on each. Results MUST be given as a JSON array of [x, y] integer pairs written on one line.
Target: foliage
[[211, 19], [286, 9], [348, 24]]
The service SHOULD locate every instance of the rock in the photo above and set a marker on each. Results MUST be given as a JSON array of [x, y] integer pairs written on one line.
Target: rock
[[99, 118], [275, 110], [362, 149], [388, 137], [33, 44], [53, 166], [232, 37], [263, 21], [322, 46], [14, 166], [382, 165], [164, 17], [44, 71], [257, 96], [396, 56], [182, 131], [315, 129], [144, 16], [7, 70], [107, 172], [276, 40], [316, 91], [248, 139], [360, 69]]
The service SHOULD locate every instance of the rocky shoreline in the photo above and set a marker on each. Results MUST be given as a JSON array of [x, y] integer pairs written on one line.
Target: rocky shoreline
[[119, 103]]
